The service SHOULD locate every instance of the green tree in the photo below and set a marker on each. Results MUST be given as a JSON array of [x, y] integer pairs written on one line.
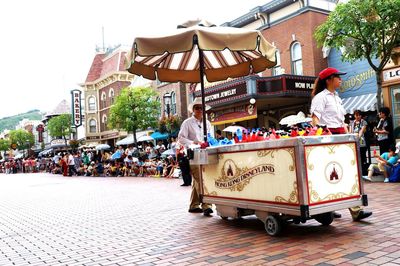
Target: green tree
[[22, 139], [4, 144], [134, 109], [60, 126], [367, 29]]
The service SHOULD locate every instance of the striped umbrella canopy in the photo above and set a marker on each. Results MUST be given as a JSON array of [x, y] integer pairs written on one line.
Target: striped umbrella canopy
[[199, 49]]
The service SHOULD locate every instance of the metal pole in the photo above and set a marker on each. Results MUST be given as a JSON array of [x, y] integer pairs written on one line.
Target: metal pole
[[203, 103]]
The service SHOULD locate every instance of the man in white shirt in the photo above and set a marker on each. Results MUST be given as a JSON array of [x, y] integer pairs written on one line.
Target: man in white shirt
[[192, 132], [71, 165]]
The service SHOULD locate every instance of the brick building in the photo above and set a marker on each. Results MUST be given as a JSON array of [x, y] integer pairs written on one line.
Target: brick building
[[106, 78], [178, 93], [285, 89]]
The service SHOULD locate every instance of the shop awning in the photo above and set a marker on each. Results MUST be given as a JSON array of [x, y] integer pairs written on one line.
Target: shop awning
[[129, 139], [126, 141], [366, 102], [158, 135]]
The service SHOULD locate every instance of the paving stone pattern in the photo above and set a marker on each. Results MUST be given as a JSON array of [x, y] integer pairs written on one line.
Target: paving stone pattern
[[53, 220]]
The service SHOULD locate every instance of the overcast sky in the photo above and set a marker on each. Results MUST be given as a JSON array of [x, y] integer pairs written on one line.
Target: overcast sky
[[47, 46]]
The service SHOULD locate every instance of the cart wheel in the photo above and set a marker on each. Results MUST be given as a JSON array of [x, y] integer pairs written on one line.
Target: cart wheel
[[224, 217], [324, 218], [273, 225]]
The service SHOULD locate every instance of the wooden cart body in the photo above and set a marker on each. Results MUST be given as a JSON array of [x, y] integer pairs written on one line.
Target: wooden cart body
[[296, 178]]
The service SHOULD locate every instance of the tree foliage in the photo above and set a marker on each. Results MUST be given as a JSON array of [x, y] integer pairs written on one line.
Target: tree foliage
[[11, 122], [134, 109], [367, 29], [169, 124], [60, 126], [21, 138], [4, 144]]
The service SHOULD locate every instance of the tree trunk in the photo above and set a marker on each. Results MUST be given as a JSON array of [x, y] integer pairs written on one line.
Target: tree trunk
[[378, 75], [134, 137]]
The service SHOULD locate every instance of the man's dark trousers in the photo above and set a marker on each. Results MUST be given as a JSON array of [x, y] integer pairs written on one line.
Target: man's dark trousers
[[185, 169]]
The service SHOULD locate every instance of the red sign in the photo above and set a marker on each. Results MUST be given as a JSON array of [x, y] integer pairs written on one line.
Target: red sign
[[40, 129]]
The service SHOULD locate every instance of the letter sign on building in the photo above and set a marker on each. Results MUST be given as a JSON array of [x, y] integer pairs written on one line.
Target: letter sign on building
[[391, 74], [76, 108]]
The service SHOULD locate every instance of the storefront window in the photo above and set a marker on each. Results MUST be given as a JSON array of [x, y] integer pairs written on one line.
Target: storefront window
[[396, 111]]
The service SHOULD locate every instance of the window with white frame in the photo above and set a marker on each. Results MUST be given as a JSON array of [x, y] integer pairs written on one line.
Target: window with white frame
[[277, 70], [92, 103], [297, 61], [111, 95], [103, 100], [92, 126]]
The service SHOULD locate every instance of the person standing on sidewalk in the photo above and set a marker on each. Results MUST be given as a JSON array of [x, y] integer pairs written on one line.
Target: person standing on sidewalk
[[191, 132], [327, 109], [71, 164], [384, 130], [359, 127]]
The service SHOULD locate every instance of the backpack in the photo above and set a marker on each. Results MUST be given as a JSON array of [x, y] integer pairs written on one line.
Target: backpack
[[395, 175]]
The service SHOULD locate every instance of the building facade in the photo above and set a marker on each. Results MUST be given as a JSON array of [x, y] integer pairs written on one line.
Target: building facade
[[51, 143], [391, 89], [106, 78], [286, 88], [178, 94], [359, 87]]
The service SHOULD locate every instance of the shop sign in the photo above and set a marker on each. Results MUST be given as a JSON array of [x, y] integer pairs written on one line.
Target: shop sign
[[392, 74], [57, 142], [233, 114], [93, 137], [76, 108], [357, 81], [285, 82], [112, 135], [226, 93], [40, 130], [298, 84]]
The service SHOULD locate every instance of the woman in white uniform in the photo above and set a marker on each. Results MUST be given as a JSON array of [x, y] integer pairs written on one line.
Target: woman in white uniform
[[327, 109]]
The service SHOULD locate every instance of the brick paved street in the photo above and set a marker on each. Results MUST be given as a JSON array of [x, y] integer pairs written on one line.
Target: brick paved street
[[54, 220]]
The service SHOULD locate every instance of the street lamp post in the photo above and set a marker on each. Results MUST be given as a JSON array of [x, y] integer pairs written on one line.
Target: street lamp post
[[167, 102]]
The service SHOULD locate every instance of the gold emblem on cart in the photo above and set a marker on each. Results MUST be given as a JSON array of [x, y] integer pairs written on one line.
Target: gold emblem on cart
[[333, 172], [235, 178]]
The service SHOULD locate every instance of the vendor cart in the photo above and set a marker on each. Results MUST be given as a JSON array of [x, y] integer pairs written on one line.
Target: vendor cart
[[283, 180]]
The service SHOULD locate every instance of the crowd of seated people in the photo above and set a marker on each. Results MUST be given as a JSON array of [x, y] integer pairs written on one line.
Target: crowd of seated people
[[122, 162]]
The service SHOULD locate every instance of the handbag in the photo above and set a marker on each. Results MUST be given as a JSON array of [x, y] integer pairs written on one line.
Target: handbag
[[362, 142]]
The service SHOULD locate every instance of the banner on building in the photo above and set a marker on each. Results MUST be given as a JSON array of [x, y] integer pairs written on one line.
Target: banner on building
[[76, 108], [40, 130]]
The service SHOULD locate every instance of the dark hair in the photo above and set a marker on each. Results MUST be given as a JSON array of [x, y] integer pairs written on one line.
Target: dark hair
[[357, 112], [385, 110], [392, 148], [319, 85], [218, 132]]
